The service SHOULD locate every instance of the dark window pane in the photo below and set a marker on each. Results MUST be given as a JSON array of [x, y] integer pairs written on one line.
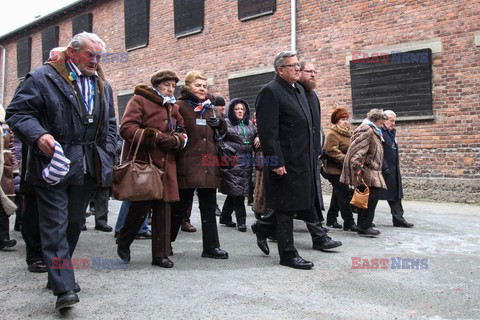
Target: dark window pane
[[24, 56], [248, 9], [401, 82], [188, 17], [82, 23], [248, 87], [137, 19], [122, 101], [49, 40]]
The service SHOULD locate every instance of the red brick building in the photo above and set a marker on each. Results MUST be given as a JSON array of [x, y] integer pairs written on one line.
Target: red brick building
[[437, 98]]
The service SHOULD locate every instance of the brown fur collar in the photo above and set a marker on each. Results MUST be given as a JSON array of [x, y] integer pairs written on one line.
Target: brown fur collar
[[147, 92], [342, 131]]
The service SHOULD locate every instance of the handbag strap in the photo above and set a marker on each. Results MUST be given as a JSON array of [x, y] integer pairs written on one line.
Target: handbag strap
[[137, 146]]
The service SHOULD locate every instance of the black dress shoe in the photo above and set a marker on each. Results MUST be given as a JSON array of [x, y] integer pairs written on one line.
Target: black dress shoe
[[76, 290], [242, 228], [7, 243], [37, 267], [230, 224], [297, 263], [218, 212], [105, 228], [325, 243], [368, 232], [261, 241], [403, 224], [144, 235], [124, 254], [334, 225], [66, 299], [215, 253], [353, 227], [163, 262], [83, 227]]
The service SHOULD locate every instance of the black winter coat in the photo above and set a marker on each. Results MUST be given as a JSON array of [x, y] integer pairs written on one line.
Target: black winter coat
[[285, 128], [391, 161], [236, 181], [46, 103]]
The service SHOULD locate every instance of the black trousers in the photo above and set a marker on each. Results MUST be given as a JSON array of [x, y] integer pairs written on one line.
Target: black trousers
[[366, 216], [4, 225], [61, 213], [136, 215], [237, 204], [207, 198], [340, 201], [396, 209], [31, 229], [101, 206]]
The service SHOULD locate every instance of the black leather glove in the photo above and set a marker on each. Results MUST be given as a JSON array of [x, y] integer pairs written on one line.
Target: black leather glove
[[214, 122]]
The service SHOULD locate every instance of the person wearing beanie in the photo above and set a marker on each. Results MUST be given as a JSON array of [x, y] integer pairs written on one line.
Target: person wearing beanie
[[72, 90], [337, 142], [153, 111]]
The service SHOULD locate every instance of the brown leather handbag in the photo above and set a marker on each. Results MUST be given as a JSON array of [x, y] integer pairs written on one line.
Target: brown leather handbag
[[137, 180], [359, 198]]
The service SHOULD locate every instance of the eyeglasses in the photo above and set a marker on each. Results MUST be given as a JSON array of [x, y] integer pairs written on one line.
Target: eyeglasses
[[294, 65], [310, 71]]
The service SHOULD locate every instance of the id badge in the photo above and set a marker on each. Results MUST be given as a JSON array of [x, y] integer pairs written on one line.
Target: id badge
[[201, 122], [88, 119]]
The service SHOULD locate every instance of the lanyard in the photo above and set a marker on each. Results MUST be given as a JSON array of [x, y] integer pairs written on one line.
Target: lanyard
[[244, 132]]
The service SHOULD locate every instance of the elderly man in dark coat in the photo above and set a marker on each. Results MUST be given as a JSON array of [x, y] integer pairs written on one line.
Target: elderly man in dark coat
[[391, 172], [285, 128], [64, 112]]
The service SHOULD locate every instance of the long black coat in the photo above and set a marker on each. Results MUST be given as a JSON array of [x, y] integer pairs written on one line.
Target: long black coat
[[314, 103], [391, 161], [46, 103], [285, 128], [236, 181]]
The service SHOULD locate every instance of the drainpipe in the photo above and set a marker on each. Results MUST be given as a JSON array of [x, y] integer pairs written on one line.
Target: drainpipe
[[293, 5], [3, 74]]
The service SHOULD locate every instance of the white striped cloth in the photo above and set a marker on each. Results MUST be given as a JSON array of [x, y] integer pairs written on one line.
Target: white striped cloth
[[58, 167]]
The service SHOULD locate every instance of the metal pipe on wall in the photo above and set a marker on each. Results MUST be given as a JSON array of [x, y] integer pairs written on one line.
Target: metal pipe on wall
[[293, 4], [4, 64]]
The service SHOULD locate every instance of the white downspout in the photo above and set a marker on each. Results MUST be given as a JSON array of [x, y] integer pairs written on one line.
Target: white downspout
[[293, 5], [3, 73]]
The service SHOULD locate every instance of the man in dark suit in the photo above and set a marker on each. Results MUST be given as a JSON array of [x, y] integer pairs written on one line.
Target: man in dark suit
[[286, 130], [391, 172], [64, 112]]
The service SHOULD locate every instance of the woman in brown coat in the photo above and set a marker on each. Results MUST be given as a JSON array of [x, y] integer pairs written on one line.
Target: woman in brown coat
[[337, 142], [195, 168], [153, 111], [363, 162]]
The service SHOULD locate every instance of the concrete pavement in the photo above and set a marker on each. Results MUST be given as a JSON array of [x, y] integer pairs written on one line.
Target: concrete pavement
[[445, 243]]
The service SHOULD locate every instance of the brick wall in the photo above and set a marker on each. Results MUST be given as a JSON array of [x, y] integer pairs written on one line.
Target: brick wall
[[447, 147]]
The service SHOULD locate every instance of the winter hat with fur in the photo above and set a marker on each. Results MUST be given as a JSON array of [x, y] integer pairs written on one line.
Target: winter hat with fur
[[338, 114]]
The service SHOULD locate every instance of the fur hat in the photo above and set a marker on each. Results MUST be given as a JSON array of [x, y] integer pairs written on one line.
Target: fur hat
[[338, 114], [163, 75]]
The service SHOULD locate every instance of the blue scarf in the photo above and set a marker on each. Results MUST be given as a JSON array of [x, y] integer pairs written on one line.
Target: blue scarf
[[379, 131]]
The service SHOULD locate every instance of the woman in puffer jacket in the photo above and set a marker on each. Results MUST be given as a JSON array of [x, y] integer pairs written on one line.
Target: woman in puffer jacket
[[235, 182]]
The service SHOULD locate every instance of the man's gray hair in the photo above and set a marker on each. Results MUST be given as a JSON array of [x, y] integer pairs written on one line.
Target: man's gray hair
[[280, 58], [79, 39], [390, 113], [376, 114]]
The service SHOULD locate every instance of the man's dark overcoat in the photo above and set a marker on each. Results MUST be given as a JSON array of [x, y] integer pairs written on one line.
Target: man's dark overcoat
[[392, 162], [285, 128]]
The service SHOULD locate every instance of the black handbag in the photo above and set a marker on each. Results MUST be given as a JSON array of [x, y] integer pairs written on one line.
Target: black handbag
[[226, 154]]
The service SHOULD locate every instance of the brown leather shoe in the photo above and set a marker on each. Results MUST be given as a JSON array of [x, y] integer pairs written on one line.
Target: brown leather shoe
[[187, 227]]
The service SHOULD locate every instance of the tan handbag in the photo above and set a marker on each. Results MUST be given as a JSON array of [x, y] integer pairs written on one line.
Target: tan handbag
[[137, 180], [360, 199]]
